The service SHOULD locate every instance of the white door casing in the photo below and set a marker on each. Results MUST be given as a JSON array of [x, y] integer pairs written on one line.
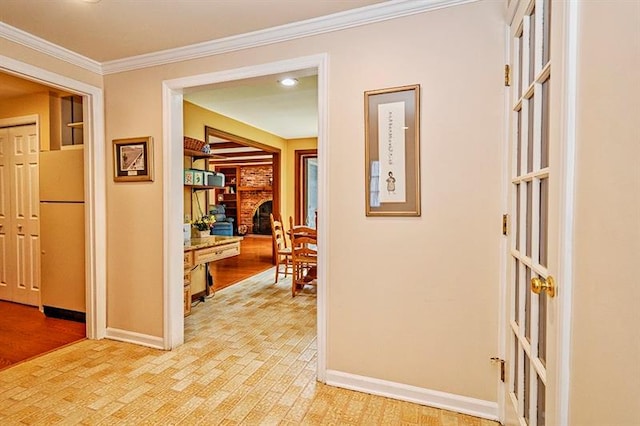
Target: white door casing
[[172, 172]]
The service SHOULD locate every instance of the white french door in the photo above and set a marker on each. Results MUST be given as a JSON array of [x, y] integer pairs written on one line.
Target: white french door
[[530, 346], [19, 215]]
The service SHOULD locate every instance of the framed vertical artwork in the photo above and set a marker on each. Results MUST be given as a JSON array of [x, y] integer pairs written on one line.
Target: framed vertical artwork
[[133, 159], [392, 151]]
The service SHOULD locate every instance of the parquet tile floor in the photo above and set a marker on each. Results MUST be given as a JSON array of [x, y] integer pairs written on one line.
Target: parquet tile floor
[[249, 358]]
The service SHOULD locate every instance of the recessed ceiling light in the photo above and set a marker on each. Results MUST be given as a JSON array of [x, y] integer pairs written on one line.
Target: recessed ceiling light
[[91, 1], [288, 81]]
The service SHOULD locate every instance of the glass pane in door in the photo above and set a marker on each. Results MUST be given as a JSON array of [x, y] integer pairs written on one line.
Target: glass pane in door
[[529, 222], [516, 370], [517, 292], [542, 329], [541, 411], [543, 227], [527, 390], [544, 140], [530, 141], [532, 44]]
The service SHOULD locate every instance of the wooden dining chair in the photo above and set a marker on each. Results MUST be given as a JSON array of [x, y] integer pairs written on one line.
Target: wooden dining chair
[[304, 256], [280, 247]]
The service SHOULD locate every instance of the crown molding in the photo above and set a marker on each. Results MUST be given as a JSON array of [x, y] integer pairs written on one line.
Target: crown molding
[[334, 22], [338, 21], [41, 45]]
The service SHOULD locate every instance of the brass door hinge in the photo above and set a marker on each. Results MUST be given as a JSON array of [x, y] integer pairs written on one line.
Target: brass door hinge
[[505, 224], [507, 75], [495, 360]]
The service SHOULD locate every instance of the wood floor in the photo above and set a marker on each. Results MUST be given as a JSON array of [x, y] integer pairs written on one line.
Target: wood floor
[[255, 257], [249, 358], [26, 332]]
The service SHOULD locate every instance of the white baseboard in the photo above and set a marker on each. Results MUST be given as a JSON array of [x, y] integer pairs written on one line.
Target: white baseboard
[[431, 398], [133, 337]]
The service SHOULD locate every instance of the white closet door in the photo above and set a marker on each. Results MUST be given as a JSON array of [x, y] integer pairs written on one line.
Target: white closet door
[[19, 215]]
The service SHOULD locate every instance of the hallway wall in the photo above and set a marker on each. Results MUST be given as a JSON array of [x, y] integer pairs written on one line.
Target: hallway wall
[[605, 363], [410, 300]]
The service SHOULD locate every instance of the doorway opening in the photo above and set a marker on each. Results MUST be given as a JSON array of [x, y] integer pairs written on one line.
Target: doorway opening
[[173, 91], [94, 172]]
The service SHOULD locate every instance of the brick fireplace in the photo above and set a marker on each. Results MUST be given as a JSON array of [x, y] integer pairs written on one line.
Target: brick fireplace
[[255, 189]]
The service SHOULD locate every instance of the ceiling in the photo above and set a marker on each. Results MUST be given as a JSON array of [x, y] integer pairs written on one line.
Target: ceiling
[[109, 30], [289, 112]]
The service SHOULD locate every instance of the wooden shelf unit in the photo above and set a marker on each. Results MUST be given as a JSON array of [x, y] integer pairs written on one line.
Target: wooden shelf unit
[[201, 187], [193, 156], [228, 195]]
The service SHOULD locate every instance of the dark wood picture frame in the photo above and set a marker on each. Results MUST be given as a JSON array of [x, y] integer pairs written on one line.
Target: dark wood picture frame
[[133, 159], [392, 155]]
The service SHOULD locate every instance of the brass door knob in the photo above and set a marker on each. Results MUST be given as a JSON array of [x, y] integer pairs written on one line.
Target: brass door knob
[[539, 285]]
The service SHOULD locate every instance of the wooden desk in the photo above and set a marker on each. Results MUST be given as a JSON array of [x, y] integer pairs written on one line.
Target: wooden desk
[[201, 251]]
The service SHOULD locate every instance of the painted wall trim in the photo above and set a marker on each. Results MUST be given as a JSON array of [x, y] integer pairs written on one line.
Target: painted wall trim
[[173, 213], [133, 337], [567, 172], [503, 303], [41, 45], [432, 398], [95, 188]]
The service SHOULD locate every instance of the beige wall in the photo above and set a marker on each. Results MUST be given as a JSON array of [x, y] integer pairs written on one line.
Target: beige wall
[[428, 312], [36, 104], [133, 108], [605, 362], [414, 300]]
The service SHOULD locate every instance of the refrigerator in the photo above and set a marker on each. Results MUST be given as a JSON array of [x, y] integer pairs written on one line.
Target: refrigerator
[[62, 233]]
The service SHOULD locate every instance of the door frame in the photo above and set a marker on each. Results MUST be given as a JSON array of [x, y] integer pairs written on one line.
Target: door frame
[[95, 186], [565, 81], [172, 165], [299, 177]]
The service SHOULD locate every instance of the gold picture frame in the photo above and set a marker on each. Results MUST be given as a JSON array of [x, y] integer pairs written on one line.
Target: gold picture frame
[[133, 159], [392, 151]]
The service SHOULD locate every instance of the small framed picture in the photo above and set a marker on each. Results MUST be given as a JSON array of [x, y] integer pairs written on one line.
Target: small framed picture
[[133, 159], [392, 151]]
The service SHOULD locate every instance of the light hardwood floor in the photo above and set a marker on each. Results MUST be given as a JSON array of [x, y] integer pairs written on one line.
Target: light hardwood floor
[[249, 358]]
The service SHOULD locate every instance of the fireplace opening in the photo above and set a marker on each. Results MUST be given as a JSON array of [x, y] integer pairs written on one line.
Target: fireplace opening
[[261, 221]]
